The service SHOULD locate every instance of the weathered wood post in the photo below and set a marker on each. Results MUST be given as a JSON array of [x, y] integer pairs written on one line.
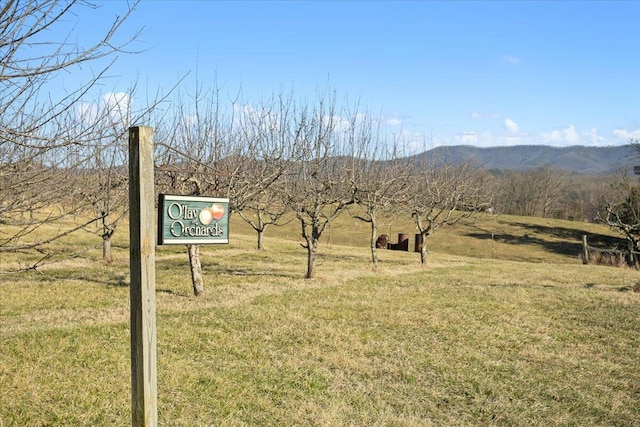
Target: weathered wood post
[[144, 395], [196, 270], [585, 250]]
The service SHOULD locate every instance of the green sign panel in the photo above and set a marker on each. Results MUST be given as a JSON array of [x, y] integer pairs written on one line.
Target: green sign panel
[[192, 220]]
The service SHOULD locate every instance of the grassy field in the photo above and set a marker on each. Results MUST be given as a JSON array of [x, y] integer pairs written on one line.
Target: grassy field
[[503, 326]]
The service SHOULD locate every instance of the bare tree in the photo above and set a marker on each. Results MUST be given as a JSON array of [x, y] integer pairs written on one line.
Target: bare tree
[[104, 174], [443, 196], [620, 208], [635, 143], [258, 164], [579, 196], [317, 187], [40, 134], [194, 139], [381, 175], [532, 193]]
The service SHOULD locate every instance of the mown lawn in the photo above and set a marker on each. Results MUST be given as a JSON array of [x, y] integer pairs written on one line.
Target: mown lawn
[[504, 329]]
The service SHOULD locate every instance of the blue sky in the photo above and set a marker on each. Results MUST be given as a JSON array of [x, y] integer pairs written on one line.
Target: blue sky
[[440, 73]]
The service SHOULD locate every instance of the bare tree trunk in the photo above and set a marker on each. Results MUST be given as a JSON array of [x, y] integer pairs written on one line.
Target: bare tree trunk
[[423, 250], [260, 239], [106, 238], [196, 270], [106, 248], [374, 252], [312, 253]]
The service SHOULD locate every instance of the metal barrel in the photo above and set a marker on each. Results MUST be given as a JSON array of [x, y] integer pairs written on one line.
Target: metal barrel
[[403, 242]]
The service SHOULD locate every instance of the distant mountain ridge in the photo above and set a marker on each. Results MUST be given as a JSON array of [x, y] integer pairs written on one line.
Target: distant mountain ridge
[[575, 159]]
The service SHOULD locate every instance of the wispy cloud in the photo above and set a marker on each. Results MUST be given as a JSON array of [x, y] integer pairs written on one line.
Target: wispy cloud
[[512, 59], [114, 106], [627, 135], [469, 138], [511, 126], [118, 105], [513, 135], [568, 135], [484, 116]]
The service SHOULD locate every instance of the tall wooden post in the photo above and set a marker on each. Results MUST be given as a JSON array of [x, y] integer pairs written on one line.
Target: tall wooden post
[[585, 250], [144, 395]]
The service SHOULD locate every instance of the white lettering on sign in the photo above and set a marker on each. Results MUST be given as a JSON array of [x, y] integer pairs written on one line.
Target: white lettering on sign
[[179, 229], [178, 211]]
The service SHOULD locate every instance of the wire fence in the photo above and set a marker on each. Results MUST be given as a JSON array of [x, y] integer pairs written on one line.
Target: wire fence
[[607, 256]]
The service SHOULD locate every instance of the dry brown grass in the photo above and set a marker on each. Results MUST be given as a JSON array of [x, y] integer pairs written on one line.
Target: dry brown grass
[[478, 336]]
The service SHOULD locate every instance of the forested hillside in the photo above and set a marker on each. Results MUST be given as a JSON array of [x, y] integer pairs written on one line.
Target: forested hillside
[[577, 159]]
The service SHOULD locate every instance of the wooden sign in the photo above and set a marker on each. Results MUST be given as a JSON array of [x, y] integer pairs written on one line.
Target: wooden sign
[[192, 220]]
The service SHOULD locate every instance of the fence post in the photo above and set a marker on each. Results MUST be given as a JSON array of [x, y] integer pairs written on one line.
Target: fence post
[[585, 250], [144, 394]]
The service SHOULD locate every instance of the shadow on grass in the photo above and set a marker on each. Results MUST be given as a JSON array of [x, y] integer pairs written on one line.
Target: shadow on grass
[[629, 288], [559, 240], [171, 292], [213, 267], [118, 281]]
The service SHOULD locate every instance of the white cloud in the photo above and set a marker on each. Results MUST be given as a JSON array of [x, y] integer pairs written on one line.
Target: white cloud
[[512, 135], [625, 135], [512, 127], [483, 139], [572, 136], [87, 113], [566, 136], [116, 100], [490, 140], [469, 138], [414, 142], [118, 105], [189, 120], [508, 139], [592, 137], [394, 122], [114, 107], [338, 123], [264, 116], [512, 59], [483, 116]]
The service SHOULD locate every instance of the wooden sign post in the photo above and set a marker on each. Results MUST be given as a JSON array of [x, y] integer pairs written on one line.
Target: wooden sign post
[[144, 394]]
